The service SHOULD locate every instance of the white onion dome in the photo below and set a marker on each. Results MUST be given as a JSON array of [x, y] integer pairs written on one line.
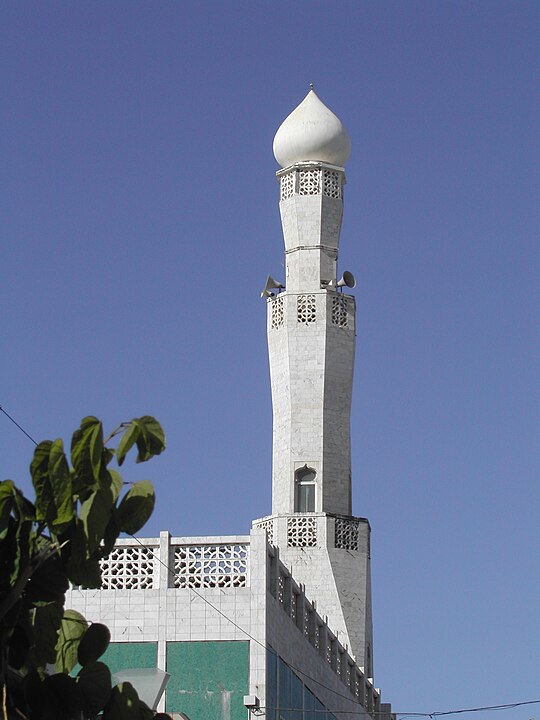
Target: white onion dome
[[312, 133]]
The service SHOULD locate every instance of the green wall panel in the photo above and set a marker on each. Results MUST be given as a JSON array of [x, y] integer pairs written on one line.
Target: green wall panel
[[124, 656], [208, 679]]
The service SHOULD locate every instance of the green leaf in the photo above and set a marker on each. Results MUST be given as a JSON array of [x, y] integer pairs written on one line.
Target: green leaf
[[19, 645], [96, 449], [32, 687], [87, 574], [112, 531], [86, 451], [39, 469], [72, 629], [8, 553], [63, 698], [144, 711], [108, 454], [136, 507], [94, 514], [116, 483], [81, 569], [7, 500], [124, 703], [49, 581], [25, 543], [126, 443], [95, 684], [24, 508], [151, 440], [60, 483], [94, 643], [46, 623]]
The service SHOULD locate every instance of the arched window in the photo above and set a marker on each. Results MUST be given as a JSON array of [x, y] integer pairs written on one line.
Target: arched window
[[304, 481]]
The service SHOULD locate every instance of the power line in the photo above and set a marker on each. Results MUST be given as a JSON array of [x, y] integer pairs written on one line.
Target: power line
[[507, 706], [434, 714], [247, 634], [17, 424], [171, 570]]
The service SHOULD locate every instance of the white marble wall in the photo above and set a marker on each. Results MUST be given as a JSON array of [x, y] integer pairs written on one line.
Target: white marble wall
[[311, 371], [165, 614]]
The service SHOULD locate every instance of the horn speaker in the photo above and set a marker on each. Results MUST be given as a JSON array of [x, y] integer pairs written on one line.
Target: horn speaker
[[347, 279], [271, 284]]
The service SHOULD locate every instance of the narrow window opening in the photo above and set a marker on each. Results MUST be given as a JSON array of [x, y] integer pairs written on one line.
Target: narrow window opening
[[305, 490]]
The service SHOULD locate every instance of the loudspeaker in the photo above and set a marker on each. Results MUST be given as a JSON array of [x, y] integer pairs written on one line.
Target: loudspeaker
[[346, 279], [271, 284]]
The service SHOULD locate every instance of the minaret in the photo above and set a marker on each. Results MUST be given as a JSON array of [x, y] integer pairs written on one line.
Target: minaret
[[311, 343]]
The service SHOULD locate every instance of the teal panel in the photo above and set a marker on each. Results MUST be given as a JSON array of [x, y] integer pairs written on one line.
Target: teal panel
[[284, 684], [297, 694], [124, 656], [271, 684], [208, 679]]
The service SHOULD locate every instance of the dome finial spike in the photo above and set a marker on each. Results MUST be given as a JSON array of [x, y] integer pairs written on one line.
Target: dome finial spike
[[311, 86]]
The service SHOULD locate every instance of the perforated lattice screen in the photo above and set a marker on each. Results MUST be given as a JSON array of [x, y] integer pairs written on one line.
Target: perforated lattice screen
[[268, 525], [128, 568], [331, 184], [276, 313], [305, 309], [339, 311], [200, 566], [301, 532], [287, 186], [346, 534], [309, 182]]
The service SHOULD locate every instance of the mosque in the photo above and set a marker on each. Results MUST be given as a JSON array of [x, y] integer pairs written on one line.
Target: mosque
[[277, 623]]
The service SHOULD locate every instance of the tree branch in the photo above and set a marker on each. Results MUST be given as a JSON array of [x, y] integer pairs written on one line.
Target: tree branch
[[116, 430]]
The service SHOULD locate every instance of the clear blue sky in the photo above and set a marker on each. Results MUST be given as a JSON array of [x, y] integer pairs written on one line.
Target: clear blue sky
[[139, 220]]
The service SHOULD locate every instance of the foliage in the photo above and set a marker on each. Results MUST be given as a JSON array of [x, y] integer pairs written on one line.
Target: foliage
[[78, 513]]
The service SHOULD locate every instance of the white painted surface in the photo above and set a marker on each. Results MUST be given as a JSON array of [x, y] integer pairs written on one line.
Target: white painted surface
[[312, 132]]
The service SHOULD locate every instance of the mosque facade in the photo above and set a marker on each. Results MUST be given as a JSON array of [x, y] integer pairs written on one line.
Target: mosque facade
[[277, 623]]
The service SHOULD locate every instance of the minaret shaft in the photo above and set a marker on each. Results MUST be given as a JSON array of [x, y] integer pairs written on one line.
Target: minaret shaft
[[311, 349], [311, 339], [311, 344]]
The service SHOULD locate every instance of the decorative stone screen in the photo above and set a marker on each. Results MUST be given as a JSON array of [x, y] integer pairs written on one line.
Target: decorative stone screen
[[294, 606], [210, 566], [348, 674], [346, 534], [331, 184], [301, 532], [287, 185], [268, 525], [309, 182], [308, 625], [317, 638], [339, 311], [328, 654], [128, 567], [276, 311], [305, 309], [293, 602]]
